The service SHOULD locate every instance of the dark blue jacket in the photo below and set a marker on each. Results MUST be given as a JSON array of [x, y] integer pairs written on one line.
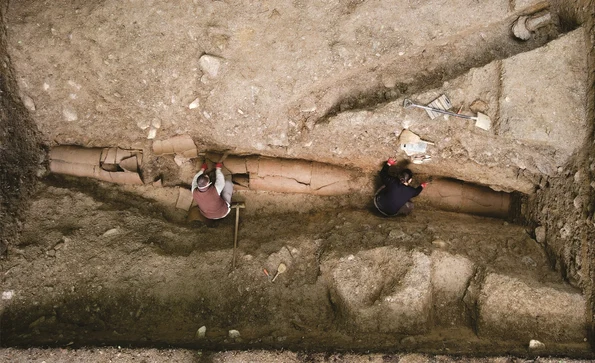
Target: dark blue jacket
[[394, 194]]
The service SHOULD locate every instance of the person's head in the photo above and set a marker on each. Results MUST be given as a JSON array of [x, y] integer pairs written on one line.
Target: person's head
[[203, 182], [405, 176]]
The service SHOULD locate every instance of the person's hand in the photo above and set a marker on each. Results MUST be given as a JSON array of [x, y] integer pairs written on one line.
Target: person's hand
[[219, 165], [424, 184], [390, 161], [204, 166]]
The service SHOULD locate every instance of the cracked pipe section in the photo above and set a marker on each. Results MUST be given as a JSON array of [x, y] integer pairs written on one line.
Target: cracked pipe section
[[108, 164], [295, 176], [283, 176]]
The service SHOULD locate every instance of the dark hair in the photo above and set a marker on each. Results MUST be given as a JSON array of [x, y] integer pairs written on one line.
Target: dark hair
[[203, 181], [405, 175]]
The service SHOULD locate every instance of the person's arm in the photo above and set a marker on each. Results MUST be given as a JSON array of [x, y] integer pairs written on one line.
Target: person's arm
[[195, 179], [219, 178], [417, 190], [384, 175]]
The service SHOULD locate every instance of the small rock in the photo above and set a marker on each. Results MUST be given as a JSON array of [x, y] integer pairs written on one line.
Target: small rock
[[180, 159], [538, 21], [519, 28], [111, 232], [234, 334], [7, 295], [194, 104], [69, 114], [51, 253], [389, 80], [210, 65], [41, 172], [28, 102], [143, 124], [156, 123], [152, 134], [536, 344], [578, 177], [478, 106], [540, 234], [309, 105], [201, 332], [439, 243]]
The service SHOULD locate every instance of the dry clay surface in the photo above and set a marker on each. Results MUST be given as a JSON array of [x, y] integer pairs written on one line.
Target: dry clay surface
[[124, 355], [322, 81]]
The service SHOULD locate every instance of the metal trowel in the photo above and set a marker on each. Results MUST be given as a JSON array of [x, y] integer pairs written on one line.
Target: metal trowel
[[482, 121]]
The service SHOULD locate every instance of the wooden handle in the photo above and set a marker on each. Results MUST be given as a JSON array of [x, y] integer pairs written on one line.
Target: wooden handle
[[235, 238]]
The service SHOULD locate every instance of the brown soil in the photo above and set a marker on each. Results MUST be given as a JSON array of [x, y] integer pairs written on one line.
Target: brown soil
[[87, 264]]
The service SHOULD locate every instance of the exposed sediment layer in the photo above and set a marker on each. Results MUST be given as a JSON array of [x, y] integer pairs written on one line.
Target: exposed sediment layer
[[353, 281]]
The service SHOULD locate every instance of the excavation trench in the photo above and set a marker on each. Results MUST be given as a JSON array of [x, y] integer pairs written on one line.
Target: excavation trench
[[278, 175], [143, 281], [103, 245]]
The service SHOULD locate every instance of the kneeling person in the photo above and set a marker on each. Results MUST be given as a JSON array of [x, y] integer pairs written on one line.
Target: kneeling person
[[393, 197], [213, 200]]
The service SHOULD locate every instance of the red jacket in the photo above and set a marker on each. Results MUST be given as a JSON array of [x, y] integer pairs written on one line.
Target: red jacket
[[210, 203]]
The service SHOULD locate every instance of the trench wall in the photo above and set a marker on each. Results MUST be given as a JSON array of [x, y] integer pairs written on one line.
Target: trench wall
[[20, 151], [562, 208]]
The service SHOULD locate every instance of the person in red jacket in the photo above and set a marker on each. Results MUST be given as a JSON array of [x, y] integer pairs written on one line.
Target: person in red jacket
[[394, 196], [213, 200]]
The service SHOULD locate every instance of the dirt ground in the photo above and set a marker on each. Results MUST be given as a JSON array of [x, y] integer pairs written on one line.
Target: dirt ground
[[88, 266], [123, 355]]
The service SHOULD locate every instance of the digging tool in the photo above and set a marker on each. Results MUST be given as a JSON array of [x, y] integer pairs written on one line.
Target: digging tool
[[281, 269], [237, 206], [481, 120]]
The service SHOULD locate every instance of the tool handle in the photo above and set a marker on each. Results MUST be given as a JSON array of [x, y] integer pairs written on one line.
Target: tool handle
[[407, 104], [235, 239]]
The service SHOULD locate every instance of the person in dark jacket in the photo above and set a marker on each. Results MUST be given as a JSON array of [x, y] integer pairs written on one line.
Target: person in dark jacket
[[394, 197], [213, 200]]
